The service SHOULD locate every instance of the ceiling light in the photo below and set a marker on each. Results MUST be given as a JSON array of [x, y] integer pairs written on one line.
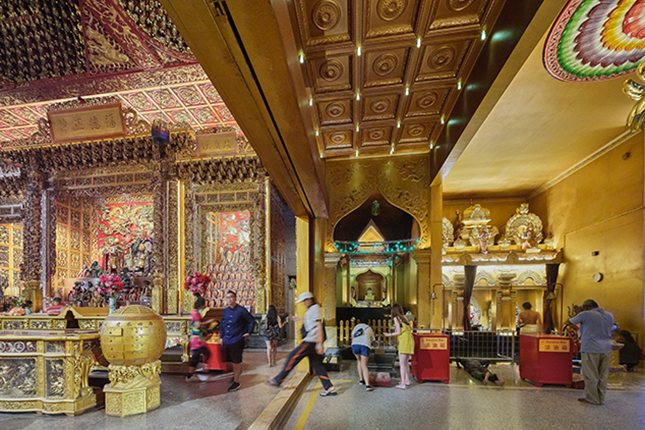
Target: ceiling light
[[317, 132], [357, 127], [443, 121], [431, 145], [419, 42], [311, 101], [483, 35], [302, 58], [358, 51], [392, 150], [407, 91], [357, 152], [358, 96], [398, 124], [459, 85]]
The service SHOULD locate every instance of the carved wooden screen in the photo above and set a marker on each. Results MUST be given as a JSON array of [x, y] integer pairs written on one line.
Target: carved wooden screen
[[10, 257]]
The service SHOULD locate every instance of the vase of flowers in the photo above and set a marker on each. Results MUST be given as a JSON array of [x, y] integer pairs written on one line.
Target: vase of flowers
[[110, 286], [197, 283]]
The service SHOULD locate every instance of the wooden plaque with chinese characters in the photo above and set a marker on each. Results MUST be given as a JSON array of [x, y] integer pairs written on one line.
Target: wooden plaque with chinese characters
[[217, 144], [87, 123], [434, 343], [554, 345]]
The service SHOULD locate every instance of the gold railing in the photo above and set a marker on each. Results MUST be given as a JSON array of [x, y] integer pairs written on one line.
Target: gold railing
[[379, 327]]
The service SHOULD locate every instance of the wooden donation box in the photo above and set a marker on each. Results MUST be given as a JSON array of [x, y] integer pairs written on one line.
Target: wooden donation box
[[431, 359], [46, 370], [546, 359]]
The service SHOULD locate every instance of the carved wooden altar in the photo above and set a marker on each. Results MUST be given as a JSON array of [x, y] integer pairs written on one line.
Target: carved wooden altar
[[46, 370]]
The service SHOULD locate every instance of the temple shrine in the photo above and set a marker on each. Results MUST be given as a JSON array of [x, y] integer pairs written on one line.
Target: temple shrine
[[464, 159]]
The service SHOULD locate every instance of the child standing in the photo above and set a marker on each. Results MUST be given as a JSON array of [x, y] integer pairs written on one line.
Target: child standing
[[272, 326], [197, 343], [406, 343], [362, 338]]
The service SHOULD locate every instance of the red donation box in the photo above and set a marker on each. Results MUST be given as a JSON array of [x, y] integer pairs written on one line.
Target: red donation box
[[216, 360], [546, 359], [431, 359]]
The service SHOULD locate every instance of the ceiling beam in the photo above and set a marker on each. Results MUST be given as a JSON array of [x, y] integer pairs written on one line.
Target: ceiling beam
[[239, 46]]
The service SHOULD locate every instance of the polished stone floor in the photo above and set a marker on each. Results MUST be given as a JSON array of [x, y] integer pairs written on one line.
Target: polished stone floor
[[184, 405], [464, 403]]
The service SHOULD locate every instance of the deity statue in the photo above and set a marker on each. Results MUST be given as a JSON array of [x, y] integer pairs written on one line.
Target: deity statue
[[484, 238], [529, 238], [95, 270], [139, 256]]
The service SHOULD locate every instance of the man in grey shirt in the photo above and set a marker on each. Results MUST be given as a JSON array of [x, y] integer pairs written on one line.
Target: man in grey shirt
[[595, 335]]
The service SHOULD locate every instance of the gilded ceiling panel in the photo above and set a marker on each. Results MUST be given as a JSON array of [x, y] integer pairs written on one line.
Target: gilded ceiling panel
[[390, 18]]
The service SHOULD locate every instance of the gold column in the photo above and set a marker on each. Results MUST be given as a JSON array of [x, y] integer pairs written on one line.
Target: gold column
[[302, 275], [330, 301], [172, 245], [181, 242], [263, 305], [423, 258], [436, 247], [506, 301], [159, 194]]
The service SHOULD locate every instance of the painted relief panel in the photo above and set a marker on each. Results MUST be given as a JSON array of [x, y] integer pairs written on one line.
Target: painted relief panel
[[125, 235]]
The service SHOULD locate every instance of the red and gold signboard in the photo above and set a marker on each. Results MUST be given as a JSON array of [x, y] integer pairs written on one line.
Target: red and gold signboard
[[87, 123], [433, 343], [554, 345]]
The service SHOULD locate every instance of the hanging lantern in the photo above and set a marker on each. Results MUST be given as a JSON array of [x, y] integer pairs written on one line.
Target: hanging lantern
[[160, 132]]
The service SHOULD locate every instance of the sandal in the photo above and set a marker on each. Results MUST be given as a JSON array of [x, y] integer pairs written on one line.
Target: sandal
[[330, 392]]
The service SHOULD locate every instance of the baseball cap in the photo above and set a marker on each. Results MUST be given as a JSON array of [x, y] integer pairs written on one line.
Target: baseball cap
[[304, 296]]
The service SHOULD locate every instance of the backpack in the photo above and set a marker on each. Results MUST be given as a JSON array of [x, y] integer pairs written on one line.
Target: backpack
[[304, 332]]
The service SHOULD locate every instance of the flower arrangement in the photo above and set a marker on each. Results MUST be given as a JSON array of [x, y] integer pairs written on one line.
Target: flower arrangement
[[110, 285], [197, 283]]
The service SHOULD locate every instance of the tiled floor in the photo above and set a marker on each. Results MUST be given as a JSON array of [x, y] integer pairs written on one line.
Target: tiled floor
[[467, 404], [462, 404]]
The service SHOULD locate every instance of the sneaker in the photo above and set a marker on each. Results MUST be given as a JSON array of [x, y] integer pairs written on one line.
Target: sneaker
[[272, 382], [361, 382], [369, 388], [189, 378], [234, 386]]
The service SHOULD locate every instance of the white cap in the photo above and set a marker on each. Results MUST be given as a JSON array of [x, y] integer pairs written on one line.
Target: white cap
[[304, 296]]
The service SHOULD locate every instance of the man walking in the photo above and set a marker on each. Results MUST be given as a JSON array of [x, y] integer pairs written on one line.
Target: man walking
[[236, 325], [595, 335]]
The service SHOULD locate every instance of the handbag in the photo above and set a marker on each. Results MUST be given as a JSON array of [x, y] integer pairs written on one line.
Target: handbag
[[304, 332]]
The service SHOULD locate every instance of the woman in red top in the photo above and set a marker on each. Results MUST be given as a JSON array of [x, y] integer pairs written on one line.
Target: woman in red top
[[197, 343]]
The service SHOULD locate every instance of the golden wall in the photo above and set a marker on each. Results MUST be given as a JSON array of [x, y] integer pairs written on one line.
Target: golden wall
[[600, 208]]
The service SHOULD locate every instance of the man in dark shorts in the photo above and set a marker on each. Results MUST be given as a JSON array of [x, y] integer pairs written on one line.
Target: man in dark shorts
[[236, 325], [478, 369]]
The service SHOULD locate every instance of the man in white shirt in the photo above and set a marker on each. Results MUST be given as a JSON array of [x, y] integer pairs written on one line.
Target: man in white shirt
[[311, 346]]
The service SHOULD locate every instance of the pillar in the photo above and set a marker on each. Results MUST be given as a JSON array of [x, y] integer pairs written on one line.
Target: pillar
[[160, 214], [436, 247], [31, 268], [331, 301], [423, 257], [302, 276]]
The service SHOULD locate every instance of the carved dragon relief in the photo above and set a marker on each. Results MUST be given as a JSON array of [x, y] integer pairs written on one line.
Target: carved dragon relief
[[403, 182]]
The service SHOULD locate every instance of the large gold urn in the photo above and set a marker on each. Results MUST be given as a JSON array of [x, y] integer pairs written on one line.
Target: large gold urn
[[132, 339]]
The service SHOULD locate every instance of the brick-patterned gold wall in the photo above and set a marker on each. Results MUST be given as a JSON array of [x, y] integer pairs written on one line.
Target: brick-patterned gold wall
[[73, 237]]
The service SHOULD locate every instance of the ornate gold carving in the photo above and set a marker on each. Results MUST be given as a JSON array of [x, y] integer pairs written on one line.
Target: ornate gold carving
[[338, 139], [331, 70], [326, 15], [335, 110], [380, 105], [441, 57], [522, 221], [385, 64], [459, 5], [427, 100], [403, 182], [389, 10]]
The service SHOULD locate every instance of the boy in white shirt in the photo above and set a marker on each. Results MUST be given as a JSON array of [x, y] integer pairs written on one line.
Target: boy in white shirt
[[362, 338]]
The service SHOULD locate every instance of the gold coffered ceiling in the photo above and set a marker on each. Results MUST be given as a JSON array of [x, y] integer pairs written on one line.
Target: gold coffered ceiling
[[383, 75]]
